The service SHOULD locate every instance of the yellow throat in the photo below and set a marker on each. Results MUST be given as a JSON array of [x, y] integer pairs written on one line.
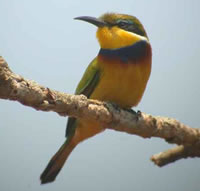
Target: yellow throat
[[111, 38]]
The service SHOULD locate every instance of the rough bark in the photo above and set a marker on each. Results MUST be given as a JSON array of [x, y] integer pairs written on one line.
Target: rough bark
[[29, 93]]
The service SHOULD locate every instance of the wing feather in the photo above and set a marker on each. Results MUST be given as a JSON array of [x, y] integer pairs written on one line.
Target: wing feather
[[86, 86]]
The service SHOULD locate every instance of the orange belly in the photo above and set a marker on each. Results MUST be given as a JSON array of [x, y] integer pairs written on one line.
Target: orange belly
[[123, 84]]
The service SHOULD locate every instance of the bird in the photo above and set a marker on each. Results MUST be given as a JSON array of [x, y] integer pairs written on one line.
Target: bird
[[118, 74]]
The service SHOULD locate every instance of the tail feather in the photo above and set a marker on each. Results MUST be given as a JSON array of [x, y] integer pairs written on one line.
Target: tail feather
[[56, 163]]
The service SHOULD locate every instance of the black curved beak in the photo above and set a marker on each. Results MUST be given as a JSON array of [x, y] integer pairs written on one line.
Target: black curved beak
[[92, 20]]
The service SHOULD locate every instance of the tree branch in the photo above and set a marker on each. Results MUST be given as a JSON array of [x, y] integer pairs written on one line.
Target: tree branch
[[174, 154], [29, 93]]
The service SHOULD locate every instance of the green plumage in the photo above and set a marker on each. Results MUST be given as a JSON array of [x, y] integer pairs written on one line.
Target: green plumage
[[86, 86]]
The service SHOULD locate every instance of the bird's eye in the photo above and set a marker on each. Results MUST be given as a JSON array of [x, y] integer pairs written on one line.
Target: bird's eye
[[122, 23]]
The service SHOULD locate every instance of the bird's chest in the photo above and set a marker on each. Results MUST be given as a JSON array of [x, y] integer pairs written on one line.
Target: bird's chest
[[121, 83]]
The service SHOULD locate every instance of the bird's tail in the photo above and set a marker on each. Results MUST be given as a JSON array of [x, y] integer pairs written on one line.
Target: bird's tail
[[56, 163]]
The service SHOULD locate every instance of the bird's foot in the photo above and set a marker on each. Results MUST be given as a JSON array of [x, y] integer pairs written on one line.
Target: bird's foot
[[130, 111], [138, 114], [114, 105]]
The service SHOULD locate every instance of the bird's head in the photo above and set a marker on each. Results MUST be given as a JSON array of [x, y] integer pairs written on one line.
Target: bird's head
[[117, 30]]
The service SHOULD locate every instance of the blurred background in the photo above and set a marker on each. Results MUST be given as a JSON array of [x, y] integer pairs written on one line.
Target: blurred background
[[41, 41]]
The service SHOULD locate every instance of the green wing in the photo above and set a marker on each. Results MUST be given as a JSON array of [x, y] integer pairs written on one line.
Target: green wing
[[89, 80], [86, 86]]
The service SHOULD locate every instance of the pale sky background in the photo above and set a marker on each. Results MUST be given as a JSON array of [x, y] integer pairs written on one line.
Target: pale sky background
[[41, 41]]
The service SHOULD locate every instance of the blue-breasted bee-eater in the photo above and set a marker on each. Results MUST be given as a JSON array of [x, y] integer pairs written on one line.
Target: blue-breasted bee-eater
[[119, 74]]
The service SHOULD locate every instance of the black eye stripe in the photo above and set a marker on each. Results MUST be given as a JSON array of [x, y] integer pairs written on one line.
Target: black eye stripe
[[122, 23], [127, 25]]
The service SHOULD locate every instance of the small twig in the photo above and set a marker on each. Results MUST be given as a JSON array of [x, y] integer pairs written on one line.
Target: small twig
[[174, 154]]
